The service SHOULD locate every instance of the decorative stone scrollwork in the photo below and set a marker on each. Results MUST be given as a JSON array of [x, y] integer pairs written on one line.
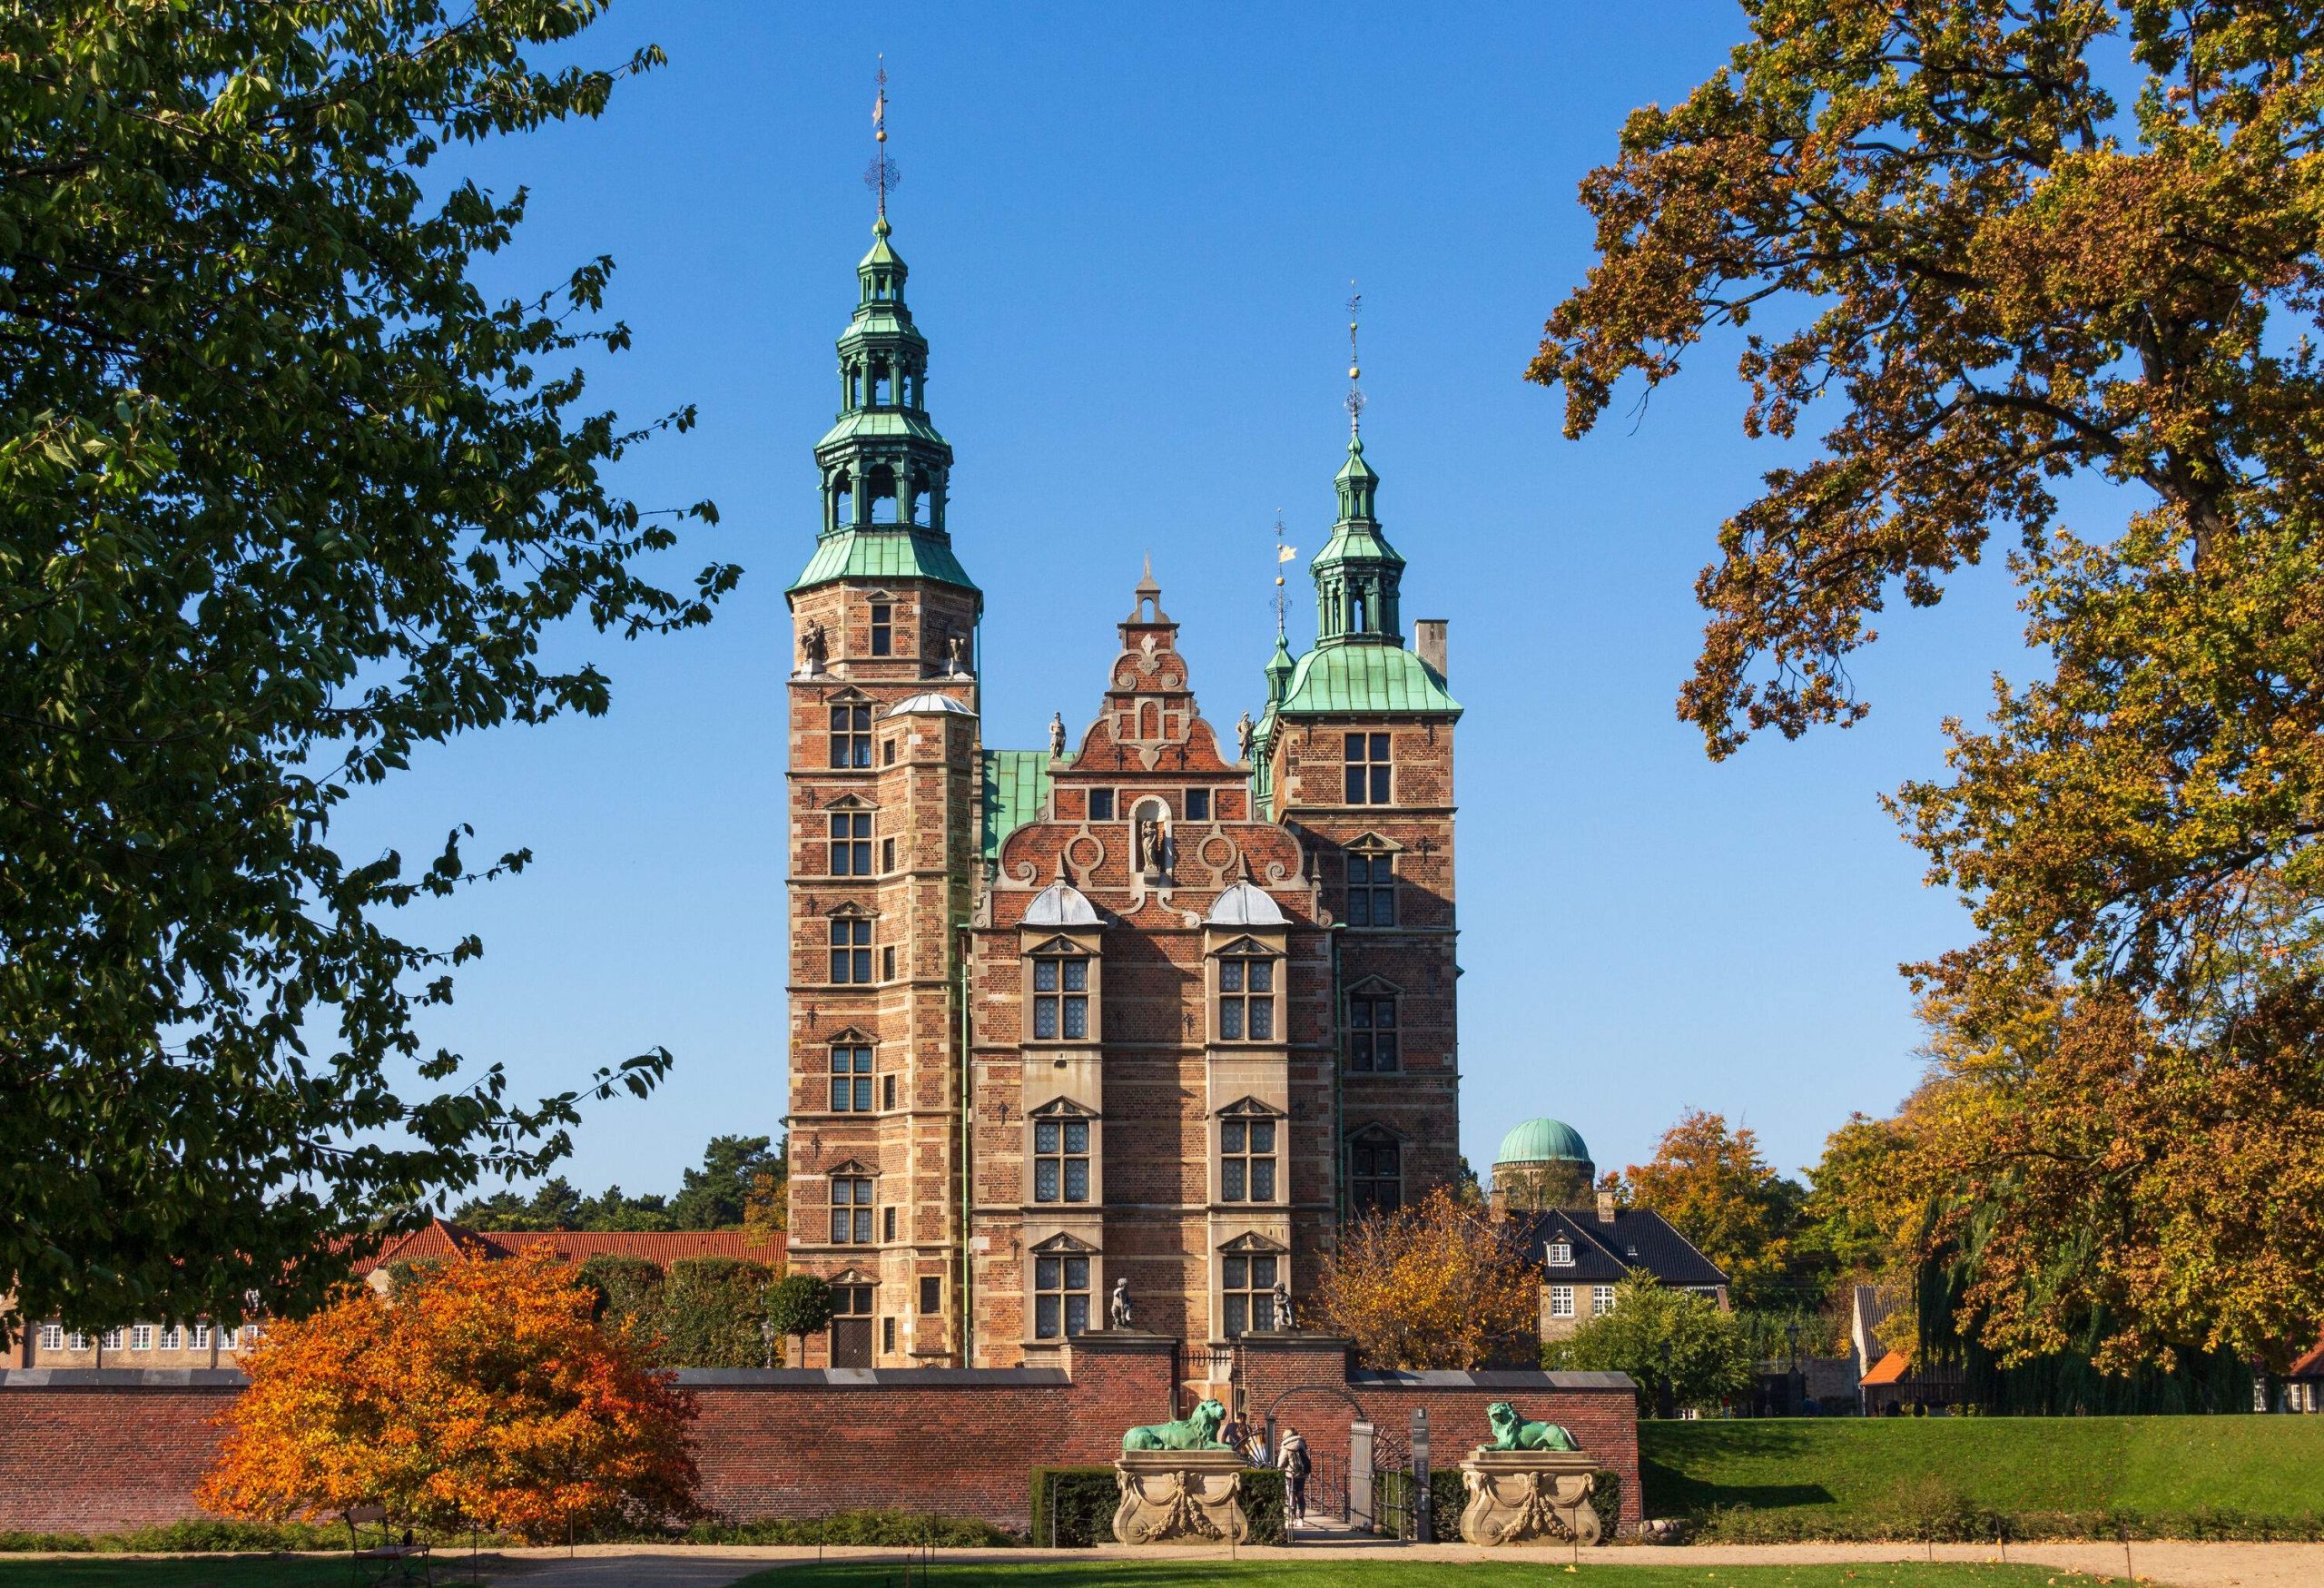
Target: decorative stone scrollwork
[[1529, 1496], [1180, 1496]]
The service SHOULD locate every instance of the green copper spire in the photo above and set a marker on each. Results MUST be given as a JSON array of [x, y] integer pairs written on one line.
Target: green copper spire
[[884, 465], [1358, 574]]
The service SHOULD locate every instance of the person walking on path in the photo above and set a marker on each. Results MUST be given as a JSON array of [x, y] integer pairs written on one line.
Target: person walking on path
[[1291, 1459]]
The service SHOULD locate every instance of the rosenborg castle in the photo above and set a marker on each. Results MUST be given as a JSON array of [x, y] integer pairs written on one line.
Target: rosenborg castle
[[1157, 1002]]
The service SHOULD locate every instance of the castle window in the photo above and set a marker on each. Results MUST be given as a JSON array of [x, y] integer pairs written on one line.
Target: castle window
[[1249, 1289], [851, 949], [851, 1079], [1060, 997], [1060, 1161], [883, 633], [1375, 1172], [931, 1293], [888, 1326], [888, 964], [1060, 1297], [850, 736], [1366, 758], [1246, 1161], [888, 1232], [887, 1091], [852, 1211], [1198, 804], [1372, 889], [851, 844], [1371, 1034], [1561, 1301], [1246, 999], [1101, 804], [888, 845]]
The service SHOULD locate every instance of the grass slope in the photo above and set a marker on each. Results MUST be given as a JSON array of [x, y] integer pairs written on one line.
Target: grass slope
[[1194, 1573], [2151, 1465]]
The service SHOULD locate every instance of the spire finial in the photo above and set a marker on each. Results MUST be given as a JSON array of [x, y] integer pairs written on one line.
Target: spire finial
[[882, 173], [1354, 366], [1282, 554]]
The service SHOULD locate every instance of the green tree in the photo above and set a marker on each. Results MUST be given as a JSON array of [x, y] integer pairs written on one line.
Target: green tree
[[2001, 276], [798, 1304], [1679, 1348], [284, 497], [716, 1195]]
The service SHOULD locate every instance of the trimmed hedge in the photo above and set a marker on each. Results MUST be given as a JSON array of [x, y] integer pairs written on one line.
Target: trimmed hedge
[[1073, 1507], [202, 1537], [887, 1529], [1448, 1497]]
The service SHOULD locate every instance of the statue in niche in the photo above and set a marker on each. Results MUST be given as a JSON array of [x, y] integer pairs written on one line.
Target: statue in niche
[[1243, 731], [955, 653], [813, 647], [1056, 734], [1118, 1309], [1153, 845]]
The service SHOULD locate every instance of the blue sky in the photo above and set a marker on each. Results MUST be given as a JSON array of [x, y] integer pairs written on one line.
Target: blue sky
[[1131, 230]]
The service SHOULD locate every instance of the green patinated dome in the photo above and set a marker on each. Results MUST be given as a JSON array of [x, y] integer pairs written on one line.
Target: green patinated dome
[[1543, 1142]]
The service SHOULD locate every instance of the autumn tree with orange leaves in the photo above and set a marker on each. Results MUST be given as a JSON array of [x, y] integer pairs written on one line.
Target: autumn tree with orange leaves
[[482, 1395], [1712, 1184], [1438, 1285]]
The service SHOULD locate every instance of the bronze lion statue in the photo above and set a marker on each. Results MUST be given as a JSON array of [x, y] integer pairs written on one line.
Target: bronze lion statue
[[1197, 1432], [1511, 1432]]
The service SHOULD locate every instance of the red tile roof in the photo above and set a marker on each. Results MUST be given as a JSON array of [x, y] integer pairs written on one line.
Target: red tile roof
[[1888, 1369], [2311, 1365], [440, 1238]]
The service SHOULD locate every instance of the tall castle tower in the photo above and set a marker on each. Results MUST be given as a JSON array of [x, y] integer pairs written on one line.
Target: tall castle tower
[[884, 799], [1148, 1006]]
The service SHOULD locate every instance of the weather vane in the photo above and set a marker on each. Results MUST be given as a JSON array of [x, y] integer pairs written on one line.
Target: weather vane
[[882, 173], [1354, 366]]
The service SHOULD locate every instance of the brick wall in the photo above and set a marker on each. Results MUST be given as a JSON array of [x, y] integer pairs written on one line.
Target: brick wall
[[90, 1451]]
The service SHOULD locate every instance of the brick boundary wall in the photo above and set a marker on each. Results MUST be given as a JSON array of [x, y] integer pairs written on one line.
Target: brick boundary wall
[[103, 1450]]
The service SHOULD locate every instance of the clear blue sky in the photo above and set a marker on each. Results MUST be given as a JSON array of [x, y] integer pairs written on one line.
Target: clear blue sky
[[1131, 230]]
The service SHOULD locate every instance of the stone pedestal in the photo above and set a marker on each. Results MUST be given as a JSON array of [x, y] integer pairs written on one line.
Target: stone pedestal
[[1529, 1496], [1180, 1496]]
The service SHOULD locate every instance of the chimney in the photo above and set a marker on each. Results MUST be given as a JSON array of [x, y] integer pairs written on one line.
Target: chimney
[[1428, 640], [1605, 1207]]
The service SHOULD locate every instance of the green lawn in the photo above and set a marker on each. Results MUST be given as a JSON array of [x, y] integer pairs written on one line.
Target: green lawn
[[1536, 1574], [2153, 1466], [184, 1572]]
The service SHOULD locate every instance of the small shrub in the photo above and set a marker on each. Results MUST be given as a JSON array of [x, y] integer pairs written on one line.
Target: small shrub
[[1073, 1507], [883, 1528], [1263, 1504]]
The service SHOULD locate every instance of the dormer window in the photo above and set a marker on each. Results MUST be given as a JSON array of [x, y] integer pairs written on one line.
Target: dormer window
[[1560, 1254]]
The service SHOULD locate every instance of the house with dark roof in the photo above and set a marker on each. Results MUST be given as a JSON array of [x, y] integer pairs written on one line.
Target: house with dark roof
[[1584, 1252]]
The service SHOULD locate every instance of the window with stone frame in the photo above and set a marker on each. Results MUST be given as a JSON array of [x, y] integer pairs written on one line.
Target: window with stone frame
[[850, 1210], [851, 844], [1246, 1288], [1198, 804], [1246, 995], [1246, 1159], [1375, 1172], [1368, 774], [1371, 1034], [1372, 889], [851, 949], [1060, 1161], [1061, 1295], [851, 1078], [1060, 997], [883, 632], [850, 736]]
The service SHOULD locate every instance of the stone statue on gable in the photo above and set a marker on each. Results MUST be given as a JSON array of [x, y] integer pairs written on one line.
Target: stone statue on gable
[[1057, 735], [1118, 1309]]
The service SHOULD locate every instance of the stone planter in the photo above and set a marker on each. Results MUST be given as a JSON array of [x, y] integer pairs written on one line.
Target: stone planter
[[1180, 1496], [1529, 1496]]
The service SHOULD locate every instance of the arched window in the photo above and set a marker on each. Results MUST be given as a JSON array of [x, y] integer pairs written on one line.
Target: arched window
[[843, 499], [883, 382], [881, 487]]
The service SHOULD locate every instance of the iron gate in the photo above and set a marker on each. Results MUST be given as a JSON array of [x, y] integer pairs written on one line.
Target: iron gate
[[1392, 1485]]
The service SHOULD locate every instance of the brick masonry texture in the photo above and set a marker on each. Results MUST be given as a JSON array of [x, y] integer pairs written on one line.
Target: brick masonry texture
[[104, 1451]]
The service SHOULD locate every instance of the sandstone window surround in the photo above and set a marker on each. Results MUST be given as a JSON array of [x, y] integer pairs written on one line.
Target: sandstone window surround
[[851, 1055], [1375, 1170], [1367, 768], [1374, 1037], [1250, 1143], [850, 945], [1246, 992], [1064, 1146], [850, 731], [1249, 1267], [1371, 897], [852, 1190], [849, 822], [1065, 1277], [1062, 978]]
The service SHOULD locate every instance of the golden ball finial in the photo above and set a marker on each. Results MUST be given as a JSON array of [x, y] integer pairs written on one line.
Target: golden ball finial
[[1354, 373], [881, 134]]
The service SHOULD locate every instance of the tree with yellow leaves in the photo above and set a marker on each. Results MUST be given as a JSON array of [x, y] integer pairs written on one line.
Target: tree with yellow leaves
[[1438, 1285]]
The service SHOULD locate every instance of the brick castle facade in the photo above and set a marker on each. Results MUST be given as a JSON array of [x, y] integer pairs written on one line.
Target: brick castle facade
[[1155, 1003]]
